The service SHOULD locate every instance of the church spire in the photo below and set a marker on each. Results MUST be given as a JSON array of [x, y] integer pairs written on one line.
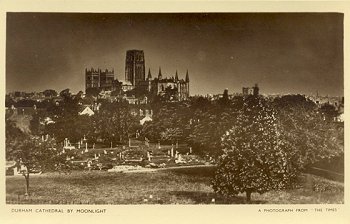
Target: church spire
[[176, 76], [187, 76], [149, 77], [160, 73]]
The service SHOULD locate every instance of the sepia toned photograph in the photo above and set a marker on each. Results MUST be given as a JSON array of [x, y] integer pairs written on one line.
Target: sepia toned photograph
[[174, 108]]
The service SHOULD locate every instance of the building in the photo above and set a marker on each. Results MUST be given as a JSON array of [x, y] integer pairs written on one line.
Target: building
[[97, 78], [87, 111], [135, 67], [251, 90], [136, 85], [180, 88]]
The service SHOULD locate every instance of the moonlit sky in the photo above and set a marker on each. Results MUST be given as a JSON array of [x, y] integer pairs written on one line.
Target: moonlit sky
[[282, 52]]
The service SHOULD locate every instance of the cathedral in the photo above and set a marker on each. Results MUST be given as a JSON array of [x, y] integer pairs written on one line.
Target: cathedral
[[136, 80]]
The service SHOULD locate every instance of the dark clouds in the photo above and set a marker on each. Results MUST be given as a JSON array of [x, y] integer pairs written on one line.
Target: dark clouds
[[283, 52]]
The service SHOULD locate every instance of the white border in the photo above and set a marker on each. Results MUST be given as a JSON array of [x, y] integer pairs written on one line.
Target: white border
[[174, 213]]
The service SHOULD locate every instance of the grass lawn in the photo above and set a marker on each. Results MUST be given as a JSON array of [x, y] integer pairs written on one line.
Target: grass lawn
[[185, 186]]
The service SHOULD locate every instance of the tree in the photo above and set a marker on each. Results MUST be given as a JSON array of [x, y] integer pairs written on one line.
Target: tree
[[311, 138], [210, 121], [329, 111], [67, 121], [114, 122], [93, 91], [171, 135], [13, 136], [253, 158], [65, 93], [33, 154], [170, 122], [171, 94], [50, 93]]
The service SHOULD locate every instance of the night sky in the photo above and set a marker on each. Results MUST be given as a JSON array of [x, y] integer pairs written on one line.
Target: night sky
[[282, 52]]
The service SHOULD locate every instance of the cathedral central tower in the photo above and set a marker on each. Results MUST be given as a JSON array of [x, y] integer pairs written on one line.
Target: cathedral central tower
[[135, 67]]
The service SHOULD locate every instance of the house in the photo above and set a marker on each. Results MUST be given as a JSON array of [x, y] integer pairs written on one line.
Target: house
[[146, 118], [11, 168], [87, 111]]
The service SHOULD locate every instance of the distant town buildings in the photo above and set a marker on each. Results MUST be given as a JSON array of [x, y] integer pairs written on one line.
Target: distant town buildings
[[251, 90]]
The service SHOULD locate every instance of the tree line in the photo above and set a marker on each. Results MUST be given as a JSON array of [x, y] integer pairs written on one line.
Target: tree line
[[260, 143]]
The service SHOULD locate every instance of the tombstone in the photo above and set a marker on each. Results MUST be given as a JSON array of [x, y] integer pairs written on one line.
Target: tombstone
[[95, 156], [172, 152], [105, 152], [148, 156], [46, 137], [42, 138], [158, 145], [111, 145], [82, 152], [129, 142], [176, 154], [190, 150], [65, 142], [177, 144], [78, 145], [93, 146], [63, 151], [86, 145], [169, 153], [86, 150]]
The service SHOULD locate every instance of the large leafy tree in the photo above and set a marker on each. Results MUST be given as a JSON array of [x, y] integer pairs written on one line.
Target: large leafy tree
[[253, 158], [33, 155], [210, 121], [115, 123], [67, 121], [14, 136], [310, 136], [170, 122]]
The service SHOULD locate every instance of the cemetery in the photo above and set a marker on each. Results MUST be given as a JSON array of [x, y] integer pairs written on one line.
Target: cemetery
[[138, 155]]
